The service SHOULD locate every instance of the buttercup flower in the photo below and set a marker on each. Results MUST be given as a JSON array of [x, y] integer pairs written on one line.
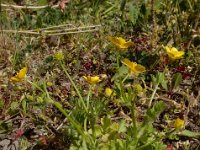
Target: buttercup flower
[[108, 91], [133, 66], [179, 123], [120, 42], [59, 56], [92, 79], [173, 53], [20, 75]]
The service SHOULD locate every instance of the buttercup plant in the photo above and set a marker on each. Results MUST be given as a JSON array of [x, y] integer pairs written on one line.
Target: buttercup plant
[[179, 123], [20, 75], [92, 79], [120, 42], [133, 66], [173, 53]]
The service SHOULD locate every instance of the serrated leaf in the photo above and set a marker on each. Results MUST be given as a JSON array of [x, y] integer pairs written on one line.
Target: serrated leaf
[[155, 111]]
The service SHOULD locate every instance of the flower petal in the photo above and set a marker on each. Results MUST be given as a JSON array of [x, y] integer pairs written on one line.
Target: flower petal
[[20, 75]]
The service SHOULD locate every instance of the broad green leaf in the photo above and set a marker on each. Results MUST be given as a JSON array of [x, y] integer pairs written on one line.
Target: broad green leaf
[[160, 77], [14, 105], [24, 104], [190, 134], [134, 13], [122, 126], [164, 84], [106, 122], [176, 80]]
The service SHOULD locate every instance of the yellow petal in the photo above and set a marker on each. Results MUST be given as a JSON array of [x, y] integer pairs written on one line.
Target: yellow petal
[[92, 79], [133, 66], [120, 42], [20, 75], [140, 68], [179, 123], [14, 79], [173, 53], [108, 91]]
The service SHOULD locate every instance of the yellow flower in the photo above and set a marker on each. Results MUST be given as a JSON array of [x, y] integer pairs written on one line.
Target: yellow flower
[[92, 79], [108, 91], [133, 66], [138, 88], [173, 53], [120, 42], [20, 75], [59, 56], [179, 123]]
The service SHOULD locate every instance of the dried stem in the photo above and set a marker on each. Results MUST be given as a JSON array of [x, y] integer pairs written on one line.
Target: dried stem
[[91, 28], [28, 7]]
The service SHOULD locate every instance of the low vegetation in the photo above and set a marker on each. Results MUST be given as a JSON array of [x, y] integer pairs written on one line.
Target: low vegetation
[[100, 74]]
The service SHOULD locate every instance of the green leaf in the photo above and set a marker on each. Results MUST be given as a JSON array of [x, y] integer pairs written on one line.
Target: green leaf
[[154, 112], [160, 77], [123, 70], [42, 2], [164, 84], [190, 134], [14, 105], [123, 4], [1, 103], [134, 13], [176, 80], [122, 126], [106, 122], [24, 104]]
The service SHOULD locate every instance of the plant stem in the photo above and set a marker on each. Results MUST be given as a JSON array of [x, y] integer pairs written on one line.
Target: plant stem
[[75, 87], [59, 107], [125, 78], [133, 117], [153, 95], [88, 97], [34, 84]]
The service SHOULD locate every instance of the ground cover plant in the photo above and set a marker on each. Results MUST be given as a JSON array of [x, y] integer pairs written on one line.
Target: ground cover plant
[[112, 74]]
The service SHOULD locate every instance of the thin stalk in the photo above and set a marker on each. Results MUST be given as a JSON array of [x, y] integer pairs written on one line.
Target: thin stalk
[[120, 80], [35, 85], [88, 97], [153, 95], [125, 78], [75, 87], [133, 117], [78, 127]]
